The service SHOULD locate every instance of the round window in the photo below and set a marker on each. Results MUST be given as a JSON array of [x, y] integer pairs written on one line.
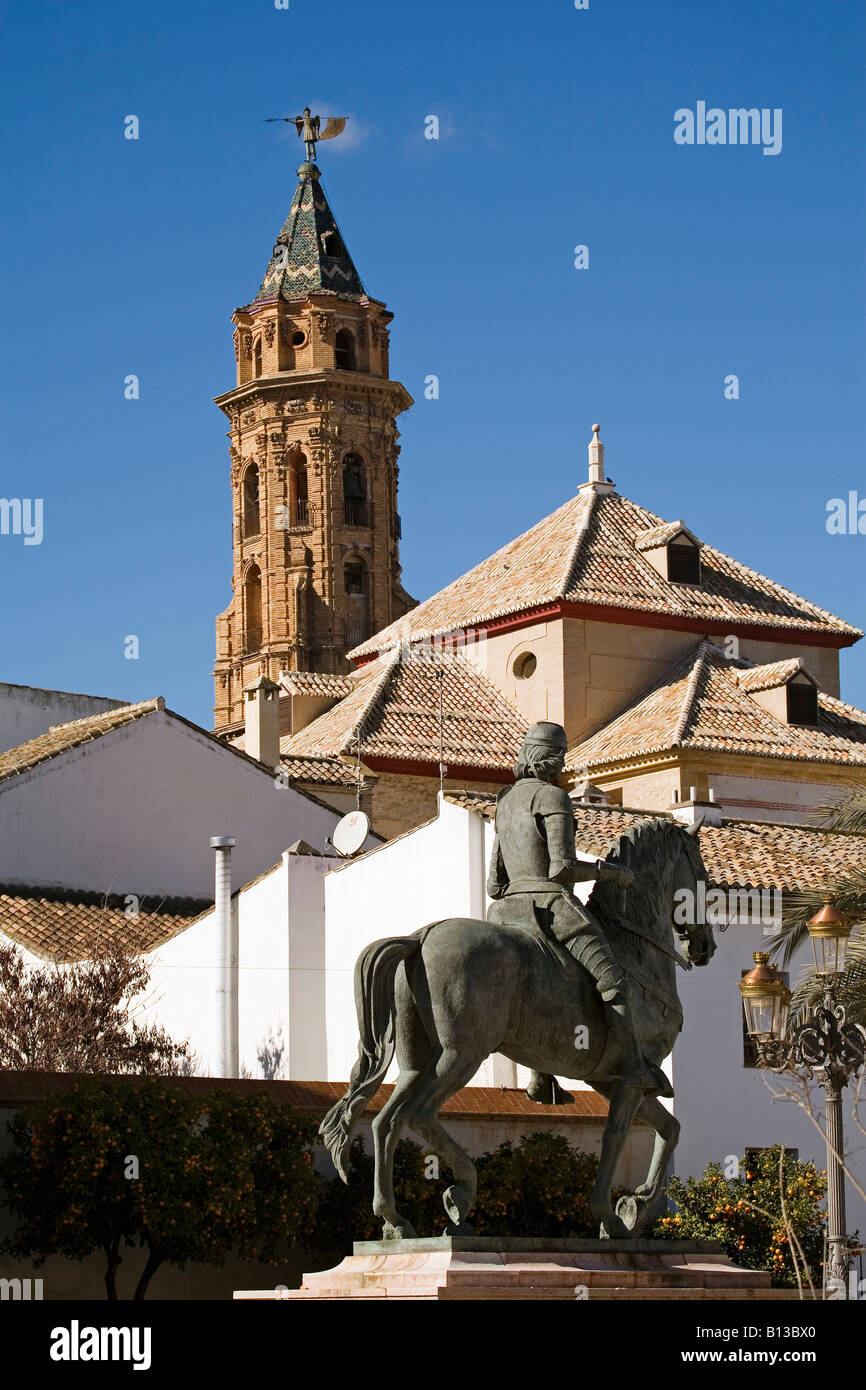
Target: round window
[[524, 666], [299, 337]]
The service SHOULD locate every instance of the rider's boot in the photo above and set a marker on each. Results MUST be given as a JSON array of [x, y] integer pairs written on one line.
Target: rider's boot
[[636, 1070], [544, 1089]]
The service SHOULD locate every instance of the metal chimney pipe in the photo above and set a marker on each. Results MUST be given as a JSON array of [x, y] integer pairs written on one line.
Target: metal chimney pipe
[[227, 958]]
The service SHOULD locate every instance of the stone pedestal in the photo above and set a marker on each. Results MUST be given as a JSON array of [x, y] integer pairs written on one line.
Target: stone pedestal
[[496, 1268]]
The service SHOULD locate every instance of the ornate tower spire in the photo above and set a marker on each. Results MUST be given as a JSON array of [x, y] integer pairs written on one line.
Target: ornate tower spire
[[313, 445]]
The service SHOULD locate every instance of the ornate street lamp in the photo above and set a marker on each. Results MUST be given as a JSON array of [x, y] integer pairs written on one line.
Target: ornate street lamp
[[823, 1047]]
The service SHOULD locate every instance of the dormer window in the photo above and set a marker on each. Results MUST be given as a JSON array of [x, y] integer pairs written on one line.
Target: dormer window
[[684, 562], [331, 244], [785, 689], [802, 702], [673, 552]]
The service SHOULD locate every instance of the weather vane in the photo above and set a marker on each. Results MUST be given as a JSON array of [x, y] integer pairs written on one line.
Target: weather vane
[[310, 129]]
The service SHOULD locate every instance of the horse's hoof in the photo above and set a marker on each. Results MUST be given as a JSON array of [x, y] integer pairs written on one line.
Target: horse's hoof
[[457, 1201], [464, 1229], [628, 1211], [612, 1228], [404, 1230]]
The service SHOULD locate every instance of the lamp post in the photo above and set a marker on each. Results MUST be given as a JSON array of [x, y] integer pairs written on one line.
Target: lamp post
[[824, 1046]]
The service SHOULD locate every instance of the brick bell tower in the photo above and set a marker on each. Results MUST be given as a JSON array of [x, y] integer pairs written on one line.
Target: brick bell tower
[[313, 446]]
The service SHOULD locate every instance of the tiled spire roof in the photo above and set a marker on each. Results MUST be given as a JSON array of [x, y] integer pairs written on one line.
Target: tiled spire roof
[[310, 255]]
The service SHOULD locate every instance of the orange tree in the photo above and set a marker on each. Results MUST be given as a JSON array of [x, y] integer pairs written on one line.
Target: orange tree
[[121, 1164], [745, 1213]]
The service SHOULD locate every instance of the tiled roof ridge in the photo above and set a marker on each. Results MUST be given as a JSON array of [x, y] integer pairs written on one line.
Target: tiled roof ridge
[[767, 675], [153, 904], [689, 694], [389, 662], [658, 535], [401, 628], [127, 711], [90, 727], [579, 537]]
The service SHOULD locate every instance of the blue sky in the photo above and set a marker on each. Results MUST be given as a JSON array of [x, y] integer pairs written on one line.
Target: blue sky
[[556, 129]]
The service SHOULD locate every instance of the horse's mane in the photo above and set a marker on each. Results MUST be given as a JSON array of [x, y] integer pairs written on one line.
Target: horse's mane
[[640, 848]]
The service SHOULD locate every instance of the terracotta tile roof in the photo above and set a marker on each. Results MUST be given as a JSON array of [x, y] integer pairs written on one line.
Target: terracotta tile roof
[[769, 676], [660, 535], [315, 683], [314, 1097], [331, 771], [395, 705], [737, 854], [61, 737], [701, 703], [585, 553], [65, 926]]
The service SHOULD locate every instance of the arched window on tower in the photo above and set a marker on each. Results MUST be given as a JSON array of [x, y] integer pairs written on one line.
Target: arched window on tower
[[298, 497], [250, 503], [257, 357], [344, 350], [253, 609], [354, 491], [356, 582]]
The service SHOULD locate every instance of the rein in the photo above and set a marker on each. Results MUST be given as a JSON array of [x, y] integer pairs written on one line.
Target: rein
[[659, 945]]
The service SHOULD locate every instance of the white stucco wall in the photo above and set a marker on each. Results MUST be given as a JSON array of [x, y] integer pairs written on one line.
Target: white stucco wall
[[134, 810], [26, 711], [281, 975], [436, 871], [725, 1107]]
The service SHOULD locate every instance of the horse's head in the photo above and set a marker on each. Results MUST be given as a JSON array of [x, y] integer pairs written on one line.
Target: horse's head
[[699, 944], [665, 860]]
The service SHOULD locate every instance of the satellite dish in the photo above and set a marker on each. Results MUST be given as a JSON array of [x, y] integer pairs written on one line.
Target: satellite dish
[[350, 833]]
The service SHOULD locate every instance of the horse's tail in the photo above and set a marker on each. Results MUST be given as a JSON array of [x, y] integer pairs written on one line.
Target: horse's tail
[[375, 972]]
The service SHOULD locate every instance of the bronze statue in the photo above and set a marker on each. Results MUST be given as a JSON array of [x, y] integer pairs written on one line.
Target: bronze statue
[[532, 868], [588, 993]]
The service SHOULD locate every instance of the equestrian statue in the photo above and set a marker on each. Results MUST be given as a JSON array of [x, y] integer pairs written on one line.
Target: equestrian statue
[[584, 991]]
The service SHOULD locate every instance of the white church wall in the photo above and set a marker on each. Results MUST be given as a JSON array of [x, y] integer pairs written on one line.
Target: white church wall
[[133, 812]]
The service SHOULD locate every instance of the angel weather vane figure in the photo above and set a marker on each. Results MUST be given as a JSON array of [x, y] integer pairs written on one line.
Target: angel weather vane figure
[[311, 130]]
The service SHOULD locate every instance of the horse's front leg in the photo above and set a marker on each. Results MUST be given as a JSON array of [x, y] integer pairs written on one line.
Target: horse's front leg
[[625, 1101], [387, 1127], [667, 1129]]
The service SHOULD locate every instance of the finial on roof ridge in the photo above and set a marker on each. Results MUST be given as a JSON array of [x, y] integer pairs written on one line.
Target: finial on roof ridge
[[597, 482]]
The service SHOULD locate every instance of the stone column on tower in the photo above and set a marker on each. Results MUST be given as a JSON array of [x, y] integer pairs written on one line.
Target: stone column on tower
[[314, 463]]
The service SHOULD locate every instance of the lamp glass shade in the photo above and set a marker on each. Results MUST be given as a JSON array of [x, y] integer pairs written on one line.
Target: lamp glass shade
[[766, 999], [829, 930]]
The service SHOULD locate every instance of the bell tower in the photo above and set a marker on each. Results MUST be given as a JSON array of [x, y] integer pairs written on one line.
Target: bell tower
[[313, 447]]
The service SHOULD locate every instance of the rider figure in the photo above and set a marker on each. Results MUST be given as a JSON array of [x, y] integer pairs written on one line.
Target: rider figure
[[532, 869]]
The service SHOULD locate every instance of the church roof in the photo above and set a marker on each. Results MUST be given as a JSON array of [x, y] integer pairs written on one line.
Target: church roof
[[310, 255], [589, 552], [706, 702], [395, 705], [737, 854]]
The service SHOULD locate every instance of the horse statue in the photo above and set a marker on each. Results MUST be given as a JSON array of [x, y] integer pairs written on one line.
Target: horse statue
[[448, 996]]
